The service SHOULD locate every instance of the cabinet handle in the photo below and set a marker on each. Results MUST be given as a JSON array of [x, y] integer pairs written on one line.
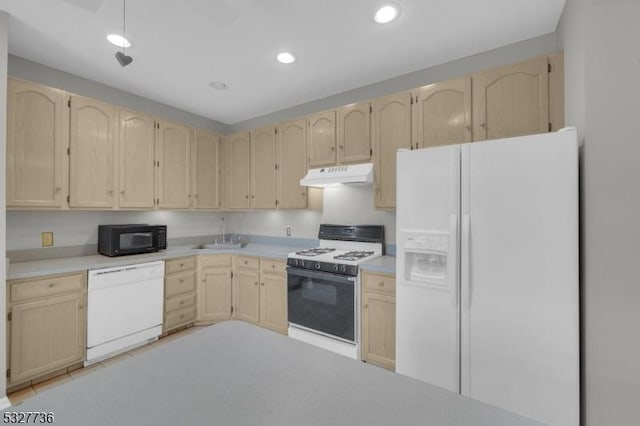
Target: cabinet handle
[[58, 189], [111, 192], [262, 284], [253, 197], [340, 146], [182, 302], [181, 281], [188, 195], [333, 148], [51, 285], [273, 266], [196, 196], [381, 283], [304, 193], [482, 124], [121, 192], [256, 283], [181, 265], [245, 262], [246, 196], [366, 306]]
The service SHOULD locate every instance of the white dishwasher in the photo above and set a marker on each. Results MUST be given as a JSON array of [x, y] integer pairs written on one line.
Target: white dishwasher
[[124, 308]]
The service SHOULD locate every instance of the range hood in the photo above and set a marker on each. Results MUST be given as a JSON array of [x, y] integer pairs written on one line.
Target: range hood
[[325, 177]]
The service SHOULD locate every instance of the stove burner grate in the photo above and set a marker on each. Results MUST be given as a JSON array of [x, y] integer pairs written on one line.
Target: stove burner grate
[[353, 255], [315, 251]]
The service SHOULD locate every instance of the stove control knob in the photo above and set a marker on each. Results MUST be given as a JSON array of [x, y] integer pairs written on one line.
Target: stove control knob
[[335, 268], [297, 262], [317, 265], [344, 268], [302, 263]]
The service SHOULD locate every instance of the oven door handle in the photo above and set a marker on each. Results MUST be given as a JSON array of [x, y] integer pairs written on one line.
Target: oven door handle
[[328, 276]]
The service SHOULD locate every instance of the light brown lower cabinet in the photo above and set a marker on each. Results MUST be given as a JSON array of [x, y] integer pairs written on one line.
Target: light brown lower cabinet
[[273, 295], [47, 325], [214, 287], [379, 320], [179, 293], [246, 282]]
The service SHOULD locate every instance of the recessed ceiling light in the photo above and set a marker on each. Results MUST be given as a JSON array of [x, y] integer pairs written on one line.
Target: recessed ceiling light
[[118, 40], [286, 58], [386, 14], [218, 85]]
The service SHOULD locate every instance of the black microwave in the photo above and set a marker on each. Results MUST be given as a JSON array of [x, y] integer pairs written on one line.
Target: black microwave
[[120, 240]]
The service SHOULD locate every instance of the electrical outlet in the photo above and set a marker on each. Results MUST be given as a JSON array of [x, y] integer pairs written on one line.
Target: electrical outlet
[[288, 231], [47, 239]]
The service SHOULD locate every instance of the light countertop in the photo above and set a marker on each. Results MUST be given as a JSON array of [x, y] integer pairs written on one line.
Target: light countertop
[[383, 264]]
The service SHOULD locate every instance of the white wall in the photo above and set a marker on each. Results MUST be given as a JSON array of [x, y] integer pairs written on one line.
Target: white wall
[[4, 51], [600, 39], [72, 228]]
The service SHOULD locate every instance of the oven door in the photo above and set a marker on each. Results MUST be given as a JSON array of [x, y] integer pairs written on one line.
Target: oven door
[[322, 302]]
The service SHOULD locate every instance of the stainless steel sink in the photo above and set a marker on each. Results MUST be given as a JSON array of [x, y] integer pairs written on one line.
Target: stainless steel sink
[[220, 245]]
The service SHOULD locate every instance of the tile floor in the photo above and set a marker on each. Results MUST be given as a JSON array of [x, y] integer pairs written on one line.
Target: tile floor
[[19, 396]]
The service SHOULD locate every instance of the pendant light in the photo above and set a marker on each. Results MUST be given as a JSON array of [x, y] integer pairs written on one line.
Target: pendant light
[[123, 59]]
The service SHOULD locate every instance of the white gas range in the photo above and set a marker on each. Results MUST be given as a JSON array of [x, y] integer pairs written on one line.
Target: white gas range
[[324, 286]]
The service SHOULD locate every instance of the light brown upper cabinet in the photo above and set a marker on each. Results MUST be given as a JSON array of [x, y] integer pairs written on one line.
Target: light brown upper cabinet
[[322, 139], [223, 173], [238, 170], [92, 143], [511, 101], [391, 131], [354, 133], [292, 164], [205, 170], [442, 114], [263, 168], [37, 141], [137, 160], [174, 166]]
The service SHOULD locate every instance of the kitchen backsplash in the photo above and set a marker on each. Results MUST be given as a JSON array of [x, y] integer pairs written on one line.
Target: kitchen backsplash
[[351, 205]]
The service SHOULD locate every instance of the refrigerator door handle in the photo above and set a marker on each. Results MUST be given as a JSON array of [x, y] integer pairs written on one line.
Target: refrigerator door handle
[[466, 259], [452, 262]]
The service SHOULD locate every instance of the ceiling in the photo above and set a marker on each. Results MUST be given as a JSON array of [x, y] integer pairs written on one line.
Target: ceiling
[[180, 46]]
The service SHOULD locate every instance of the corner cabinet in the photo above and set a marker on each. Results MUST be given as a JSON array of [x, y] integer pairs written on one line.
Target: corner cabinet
[[512, 100], [37, 142], [379, 319], [263, 168], [47, 325], [238, 170], [442, 114], [391, 132], [322, 139], [205, 170], [354, 133], [291, 145], [137, 147], [92, 150], [174, 166]]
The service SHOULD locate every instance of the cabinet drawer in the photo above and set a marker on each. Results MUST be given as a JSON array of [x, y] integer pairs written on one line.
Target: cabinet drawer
[[247, 262], [180, 302], [179, 283], [178, 318], [47, 286], [214, 261], [273, 267], [179, 265], [379, 282]]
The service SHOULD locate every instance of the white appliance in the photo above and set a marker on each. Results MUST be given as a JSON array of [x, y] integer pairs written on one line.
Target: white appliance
[[487, 271], [339, 175], [124, 308], [324, 287]]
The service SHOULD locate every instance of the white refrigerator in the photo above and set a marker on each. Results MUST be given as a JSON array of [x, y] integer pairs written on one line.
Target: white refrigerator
[[487, 301]]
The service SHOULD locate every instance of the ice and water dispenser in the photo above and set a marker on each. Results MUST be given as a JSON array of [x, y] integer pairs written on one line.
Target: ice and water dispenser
[[425, 257]]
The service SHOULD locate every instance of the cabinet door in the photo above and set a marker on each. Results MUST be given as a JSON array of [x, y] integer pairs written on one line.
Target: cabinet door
[[511, 101], [46, 335], [36, 145], [263, 168], [223, 173], [174, 161], [442, 114], [273, 302], [322, 139], [137, 160], [391, 131], [379, 329], [354, 133], [238, 171], [92, 151], [205, 170], [292, 164], [247, 295], [214, 295]]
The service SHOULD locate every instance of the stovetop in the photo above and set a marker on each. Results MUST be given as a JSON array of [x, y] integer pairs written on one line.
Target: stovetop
[[341, 249]]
